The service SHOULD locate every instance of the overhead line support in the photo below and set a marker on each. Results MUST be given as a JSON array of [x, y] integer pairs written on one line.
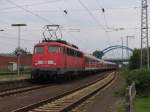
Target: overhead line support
[[144, 32]]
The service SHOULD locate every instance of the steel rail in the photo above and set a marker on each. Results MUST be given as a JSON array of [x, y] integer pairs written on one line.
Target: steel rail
[[68, 100], [21, 90]]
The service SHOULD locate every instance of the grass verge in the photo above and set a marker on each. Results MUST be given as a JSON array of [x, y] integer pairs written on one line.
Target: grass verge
[[142, 104]]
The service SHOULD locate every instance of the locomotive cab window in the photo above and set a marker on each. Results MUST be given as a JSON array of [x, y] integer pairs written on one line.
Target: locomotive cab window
[[39, 49], [54, 49]]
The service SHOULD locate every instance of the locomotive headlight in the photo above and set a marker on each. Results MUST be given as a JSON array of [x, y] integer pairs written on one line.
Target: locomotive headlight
[[51, 62], [40, 62]]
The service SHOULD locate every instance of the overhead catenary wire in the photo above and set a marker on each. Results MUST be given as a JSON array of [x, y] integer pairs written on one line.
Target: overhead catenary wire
[[103, 11], [7, 42], [30, 11], [106, 23], [90, 13], [43, 18], [12, 38], [31, 4], [67, 17], [4, 44], [70, 12], [13, 45], [99, 4], [95, 9], [37, 15], [94, 18]]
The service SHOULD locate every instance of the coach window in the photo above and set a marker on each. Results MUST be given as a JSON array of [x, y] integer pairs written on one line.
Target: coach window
[[39, 49], [75, 53], [68, 51], [64, 50], [54, 49], [71, 52], [80, 54]]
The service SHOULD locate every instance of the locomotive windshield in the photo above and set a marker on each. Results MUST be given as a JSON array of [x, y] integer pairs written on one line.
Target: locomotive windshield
[[54, 49], [39, 49]]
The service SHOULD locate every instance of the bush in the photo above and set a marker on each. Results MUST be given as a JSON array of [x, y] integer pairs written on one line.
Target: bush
[[142, 81]]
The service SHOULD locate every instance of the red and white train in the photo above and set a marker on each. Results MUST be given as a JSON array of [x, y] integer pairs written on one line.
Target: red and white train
[[57, 58]]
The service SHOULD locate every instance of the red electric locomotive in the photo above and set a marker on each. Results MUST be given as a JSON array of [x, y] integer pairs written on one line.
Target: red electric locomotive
[[56, 58]]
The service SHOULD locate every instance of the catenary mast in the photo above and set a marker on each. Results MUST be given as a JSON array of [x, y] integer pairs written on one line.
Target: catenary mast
[[144, 31]]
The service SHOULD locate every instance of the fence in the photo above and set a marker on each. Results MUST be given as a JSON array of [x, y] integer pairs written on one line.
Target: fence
[[130, 95]]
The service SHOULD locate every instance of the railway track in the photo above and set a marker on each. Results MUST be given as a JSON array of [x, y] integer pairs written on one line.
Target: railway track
[[14, 84], [69, 100], [21, 90]]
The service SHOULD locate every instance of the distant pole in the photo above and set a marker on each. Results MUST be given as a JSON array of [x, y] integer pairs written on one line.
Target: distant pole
[[144, 32], [18, 53], [122, 47], [127, 42], [1, 30], [127, 46]]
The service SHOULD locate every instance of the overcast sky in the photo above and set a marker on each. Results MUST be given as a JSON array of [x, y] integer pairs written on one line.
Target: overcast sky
[[98, 30]]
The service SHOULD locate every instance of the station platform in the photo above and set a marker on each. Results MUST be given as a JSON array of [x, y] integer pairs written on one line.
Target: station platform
[[4, 78]]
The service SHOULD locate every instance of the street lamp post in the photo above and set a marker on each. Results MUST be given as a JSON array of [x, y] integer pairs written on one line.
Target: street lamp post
[[127, 42], [19, 36]]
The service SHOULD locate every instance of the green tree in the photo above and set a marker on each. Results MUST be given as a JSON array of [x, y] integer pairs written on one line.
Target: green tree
[[134, 62], [98, 54], [20, 51]]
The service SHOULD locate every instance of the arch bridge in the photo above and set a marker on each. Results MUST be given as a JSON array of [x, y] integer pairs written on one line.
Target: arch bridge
[[100, 54]]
